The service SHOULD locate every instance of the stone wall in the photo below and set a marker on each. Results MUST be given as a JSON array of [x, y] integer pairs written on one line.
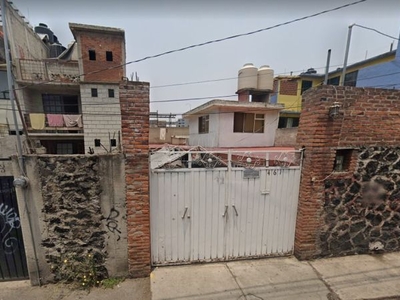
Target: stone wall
[[362, 213], [331, 206], [77, 208]]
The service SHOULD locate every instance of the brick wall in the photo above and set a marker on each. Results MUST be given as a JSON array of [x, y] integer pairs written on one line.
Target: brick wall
[[368, 118], [100, 43], [101, 116], [288, 87], [134, 98]]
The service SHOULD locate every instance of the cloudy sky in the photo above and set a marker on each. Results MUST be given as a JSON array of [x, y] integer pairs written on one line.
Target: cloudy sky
[[154, 26]]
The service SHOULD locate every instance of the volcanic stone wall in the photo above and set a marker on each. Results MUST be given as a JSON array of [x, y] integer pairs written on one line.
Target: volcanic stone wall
[[362, 213], [77, 210]]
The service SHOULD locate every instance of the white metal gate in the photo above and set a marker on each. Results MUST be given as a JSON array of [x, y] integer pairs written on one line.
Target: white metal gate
[[224, 213]]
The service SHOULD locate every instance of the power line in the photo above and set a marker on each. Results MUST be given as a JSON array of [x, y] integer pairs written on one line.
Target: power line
[[377, 31], [218, 40]]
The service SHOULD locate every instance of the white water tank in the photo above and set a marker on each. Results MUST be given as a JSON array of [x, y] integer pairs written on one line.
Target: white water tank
[[247, 77], [265, 79]]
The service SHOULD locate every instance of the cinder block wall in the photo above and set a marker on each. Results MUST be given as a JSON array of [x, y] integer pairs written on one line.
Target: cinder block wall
[[338, 214], [134, 97], [101, 115]]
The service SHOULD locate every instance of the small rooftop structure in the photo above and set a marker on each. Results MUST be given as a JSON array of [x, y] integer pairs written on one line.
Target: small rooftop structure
[[232, 106], [75, 27]]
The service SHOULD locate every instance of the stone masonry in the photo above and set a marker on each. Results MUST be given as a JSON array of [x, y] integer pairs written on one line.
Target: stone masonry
[[355, 210], [134, 97]]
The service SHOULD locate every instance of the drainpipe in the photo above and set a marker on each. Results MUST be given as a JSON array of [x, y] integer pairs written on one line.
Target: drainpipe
[[22, 180], [346, 55]]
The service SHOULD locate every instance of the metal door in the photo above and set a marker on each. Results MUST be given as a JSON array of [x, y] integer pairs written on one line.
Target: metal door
[[12, 252]]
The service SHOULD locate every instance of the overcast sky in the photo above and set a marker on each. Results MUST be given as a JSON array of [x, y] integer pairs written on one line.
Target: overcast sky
[[155, 26]]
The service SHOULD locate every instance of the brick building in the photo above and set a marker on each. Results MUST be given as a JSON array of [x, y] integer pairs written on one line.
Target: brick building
[[69, 96], [350, 188]]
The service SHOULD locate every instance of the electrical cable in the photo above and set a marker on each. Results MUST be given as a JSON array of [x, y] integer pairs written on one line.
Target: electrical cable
[[377, 31], [217, 40]]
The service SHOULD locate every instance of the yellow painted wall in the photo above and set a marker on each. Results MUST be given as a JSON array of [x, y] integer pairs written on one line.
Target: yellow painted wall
[[293, 103]]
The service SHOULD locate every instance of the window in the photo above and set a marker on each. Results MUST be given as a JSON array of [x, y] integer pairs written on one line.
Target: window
[[94, 92], [92, 55], [65, 148], [305, 85], [204, 122], [285, 122], [334, 80], [111, 93], [245, 122], [60, 104], [342, 160], [351, 78], [109, 56]]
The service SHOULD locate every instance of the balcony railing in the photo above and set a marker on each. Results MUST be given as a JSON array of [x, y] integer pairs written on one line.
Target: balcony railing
[[49, 130], [49, 70]]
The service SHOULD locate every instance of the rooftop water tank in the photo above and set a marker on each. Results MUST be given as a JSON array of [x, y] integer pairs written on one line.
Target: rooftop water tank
[[56, 50], [247, 77], [44, 29], [265, 79]]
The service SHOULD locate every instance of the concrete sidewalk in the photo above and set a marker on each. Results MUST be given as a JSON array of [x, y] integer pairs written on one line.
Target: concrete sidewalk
[[132, 289], [345, 278]]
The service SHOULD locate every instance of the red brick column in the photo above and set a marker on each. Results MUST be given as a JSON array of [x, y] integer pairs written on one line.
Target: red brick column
[[134, 98]]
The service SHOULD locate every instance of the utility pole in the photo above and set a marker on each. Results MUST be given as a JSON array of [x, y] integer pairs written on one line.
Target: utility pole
[[346, 55], [10, 84]]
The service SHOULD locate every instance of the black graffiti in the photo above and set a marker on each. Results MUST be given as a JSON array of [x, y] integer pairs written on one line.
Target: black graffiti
[[112, 222], [2, 168]]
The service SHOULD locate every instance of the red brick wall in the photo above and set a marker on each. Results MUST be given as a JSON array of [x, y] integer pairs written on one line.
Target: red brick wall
[[288, 87], [368, 117], [134, 98], [102, 43]]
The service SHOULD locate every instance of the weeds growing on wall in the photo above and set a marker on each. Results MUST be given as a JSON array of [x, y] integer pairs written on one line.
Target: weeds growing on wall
[[85, 271]]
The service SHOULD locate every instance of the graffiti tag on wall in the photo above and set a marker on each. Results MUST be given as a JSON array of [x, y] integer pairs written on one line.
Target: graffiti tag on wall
[[112, 222], [9, 221]]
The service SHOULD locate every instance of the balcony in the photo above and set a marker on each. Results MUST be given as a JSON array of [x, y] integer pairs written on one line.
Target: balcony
[[49, 128], [49, 70]]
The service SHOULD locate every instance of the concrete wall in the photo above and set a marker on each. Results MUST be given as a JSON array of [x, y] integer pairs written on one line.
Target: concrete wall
[[155, 137], [101, 115], [345, 212], [221, 132], [286, 137], [24, 42], [209, 139], [77, 206], [228, 138]]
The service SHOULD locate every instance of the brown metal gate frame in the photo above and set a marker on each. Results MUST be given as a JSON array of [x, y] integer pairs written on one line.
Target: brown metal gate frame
[[12, 252]]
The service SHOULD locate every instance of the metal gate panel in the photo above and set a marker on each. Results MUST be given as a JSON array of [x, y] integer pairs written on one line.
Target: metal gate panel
[[12, 252], [207, 209], [213, 214]]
